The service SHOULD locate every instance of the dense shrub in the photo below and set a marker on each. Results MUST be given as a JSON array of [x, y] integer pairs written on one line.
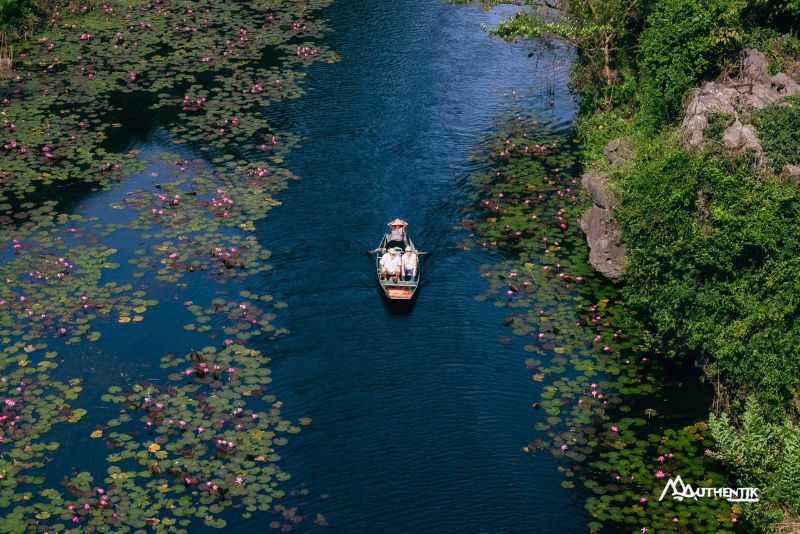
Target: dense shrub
[[15, 14], [781, 14], [717, 124], [778, 130], [715, 254], [19, 18], [683, 41], [765, 455], [595, 131]]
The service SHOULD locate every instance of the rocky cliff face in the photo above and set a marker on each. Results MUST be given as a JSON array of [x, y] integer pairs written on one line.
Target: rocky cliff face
[[606, 249], [754, 89]]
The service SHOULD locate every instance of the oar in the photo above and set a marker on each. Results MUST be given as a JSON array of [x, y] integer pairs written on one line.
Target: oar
[[376, 250]]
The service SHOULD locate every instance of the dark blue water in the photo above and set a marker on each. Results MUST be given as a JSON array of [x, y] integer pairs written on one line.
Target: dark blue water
[[419, 414]]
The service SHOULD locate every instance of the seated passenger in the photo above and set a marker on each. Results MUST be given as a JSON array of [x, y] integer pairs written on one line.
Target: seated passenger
[[391, 263], [409, 265]]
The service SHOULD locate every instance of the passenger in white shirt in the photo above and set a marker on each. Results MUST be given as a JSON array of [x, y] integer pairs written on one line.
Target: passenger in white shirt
[[391, 263], [409, 265]]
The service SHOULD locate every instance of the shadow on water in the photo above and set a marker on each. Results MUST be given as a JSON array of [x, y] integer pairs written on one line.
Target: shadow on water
[[398, 307]]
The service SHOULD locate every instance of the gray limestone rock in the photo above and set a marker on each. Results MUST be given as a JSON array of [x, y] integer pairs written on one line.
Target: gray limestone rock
[[606, 250], [618, 152], [755, 89], [596, 183]]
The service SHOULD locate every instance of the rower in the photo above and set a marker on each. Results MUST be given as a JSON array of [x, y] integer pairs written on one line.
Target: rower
[[397, 236]]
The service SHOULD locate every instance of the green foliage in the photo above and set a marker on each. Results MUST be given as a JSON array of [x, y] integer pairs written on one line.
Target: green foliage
[[596, 131], [597, 29], [530, 25], [783, 14], [762, 454], [717, 124], [779, 131], [783, 50], [683, 41], [623, 92], [16, 13], [714, 248], [714, 254], [19, 18], [762, 38]]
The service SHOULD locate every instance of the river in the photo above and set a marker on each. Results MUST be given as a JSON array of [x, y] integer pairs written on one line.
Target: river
[[419, 416]]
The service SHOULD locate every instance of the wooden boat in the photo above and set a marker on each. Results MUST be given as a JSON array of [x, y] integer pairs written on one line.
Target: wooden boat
[[396, 289]]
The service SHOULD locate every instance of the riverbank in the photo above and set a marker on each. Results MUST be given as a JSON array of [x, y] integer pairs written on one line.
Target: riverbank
[[709, 230], [619, 419]]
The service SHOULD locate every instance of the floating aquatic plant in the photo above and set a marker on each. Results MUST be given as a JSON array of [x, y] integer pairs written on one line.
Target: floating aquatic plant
[[583, 346], [202, 74]]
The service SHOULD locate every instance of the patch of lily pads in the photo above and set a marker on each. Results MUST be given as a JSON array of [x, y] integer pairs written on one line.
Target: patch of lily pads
[[241, 319], [598, 381], [204, 441]]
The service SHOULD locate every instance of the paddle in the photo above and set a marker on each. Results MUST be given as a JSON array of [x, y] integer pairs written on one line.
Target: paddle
[[376, 250]]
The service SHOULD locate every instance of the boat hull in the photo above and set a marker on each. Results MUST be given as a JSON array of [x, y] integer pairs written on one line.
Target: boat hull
[[396, 289]]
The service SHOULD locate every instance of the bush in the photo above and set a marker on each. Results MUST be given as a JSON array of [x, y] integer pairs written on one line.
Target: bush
[[683, 41], [762, 454], [779, 132], [16, 16], [715, 253], [595, 131], [717, 124], [19, 18]]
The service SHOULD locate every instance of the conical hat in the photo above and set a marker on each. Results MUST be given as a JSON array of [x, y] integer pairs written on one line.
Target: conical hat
[[398, 222]]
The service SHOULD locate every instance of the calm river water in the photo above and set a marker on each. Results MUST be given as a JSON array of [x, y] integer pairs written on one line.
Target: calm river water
[[419, 415]]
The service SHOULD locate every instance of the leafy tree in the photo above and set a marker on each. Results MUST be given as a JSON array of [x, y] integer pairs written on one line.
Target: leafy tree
[[714, 254], [683, 41], [595, 27], [16, 15], [783, 15]]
